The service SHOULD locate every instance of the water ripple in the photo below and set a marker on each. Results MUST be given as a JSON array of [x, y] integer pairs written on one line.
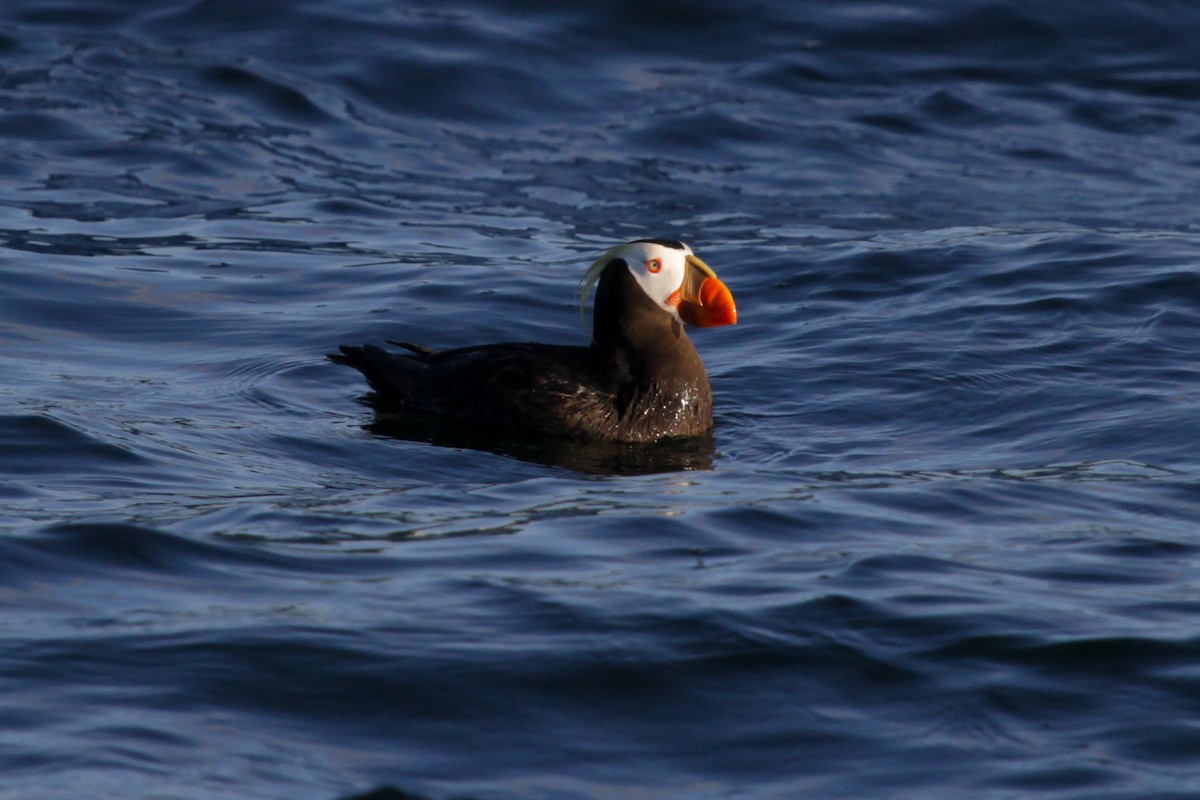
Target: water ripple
[[941, 541]]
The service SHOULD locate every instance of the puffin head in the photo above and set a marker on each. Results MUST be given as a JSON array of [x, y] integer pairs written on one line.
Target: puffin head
[[672, 277]]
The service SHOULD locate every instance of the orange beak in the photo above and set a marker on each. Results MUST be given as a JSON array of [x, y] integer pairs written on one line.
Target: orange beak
[[702, 299]]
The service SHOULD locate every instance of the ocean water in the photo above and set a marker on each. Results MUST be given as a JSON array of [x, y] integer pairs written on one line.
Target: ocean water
[[943, 542]]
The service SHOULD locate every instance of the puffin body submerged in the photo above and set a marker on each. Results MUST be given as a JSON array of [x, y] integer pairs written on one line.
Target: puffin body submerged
[[639, 380]]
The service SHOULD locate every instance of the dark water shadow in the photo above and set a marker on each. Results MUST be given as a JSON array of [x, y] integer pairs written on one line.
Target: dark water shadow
[[591, 458], [392, 793]]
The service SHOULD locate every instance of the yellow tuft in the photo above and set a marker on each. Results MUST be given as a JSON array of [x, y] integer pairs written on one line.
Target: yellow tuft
[[589, 280]]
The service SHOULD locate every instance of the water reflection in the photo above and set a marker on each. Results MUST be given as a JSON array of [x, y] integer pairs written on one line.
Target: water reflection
[[593, 458]]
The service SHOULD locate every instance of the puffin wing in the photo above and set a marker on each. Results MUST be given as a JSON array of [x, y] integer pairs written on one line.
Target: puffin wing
[[544, 388]]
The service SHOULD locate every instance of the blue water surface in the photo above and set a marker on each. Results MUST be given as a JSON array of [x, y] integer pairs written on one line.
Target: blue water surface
[[943, 542]]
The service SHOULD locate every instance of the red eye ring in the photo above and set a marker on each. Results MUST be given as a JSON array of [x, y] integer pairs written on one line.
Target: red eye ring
[[654, 265]]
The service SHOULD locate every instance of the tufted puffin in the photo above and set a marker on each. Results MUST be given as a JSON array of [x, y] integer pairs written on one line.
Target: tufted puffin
[[639, 380]]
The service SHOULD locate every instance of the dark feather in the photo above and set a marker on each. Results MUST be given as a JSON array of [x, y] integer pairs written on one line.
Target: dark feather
[[639, 380]]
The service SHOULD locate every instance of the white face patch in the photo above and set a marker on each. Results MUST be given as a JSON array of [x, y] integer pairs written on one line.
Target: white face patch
[[658, 269]]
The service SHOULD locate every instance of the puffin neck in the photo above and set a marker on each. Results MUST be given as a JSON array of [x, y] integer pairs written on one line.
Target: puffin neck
[[625, 318]]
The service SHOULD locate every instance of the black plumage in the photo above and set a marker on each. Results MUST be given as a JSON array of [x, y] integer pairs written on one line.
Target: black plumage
[[639, 380]]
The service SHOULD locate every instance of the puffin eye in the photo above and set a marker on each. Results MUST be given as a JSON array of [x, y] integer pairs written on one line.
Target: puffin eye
[[654, 265]]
